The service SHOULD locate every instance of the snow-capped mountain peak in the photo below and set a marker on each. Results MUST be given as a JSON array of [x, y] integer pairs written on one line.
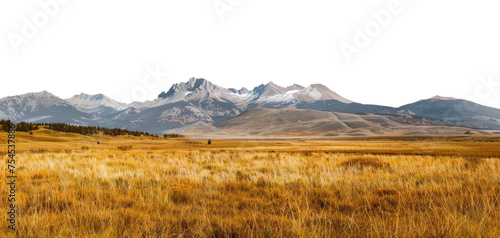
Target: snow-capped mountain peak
[[196, 89]]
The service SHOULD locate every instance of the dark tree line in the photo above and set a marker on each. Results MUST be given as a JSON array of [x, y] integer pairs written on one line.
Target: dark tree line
[[84, 130], [172, 135], [91, 130], [22, 126], [5, 125]]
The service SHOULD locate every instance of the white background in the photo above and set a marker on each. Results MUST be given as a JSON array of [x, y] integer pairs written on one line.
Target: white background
[[429, 48]]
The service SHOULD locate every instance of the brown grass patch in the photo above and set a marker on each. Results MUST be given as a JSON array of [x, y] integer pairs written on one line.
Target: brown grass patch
[[386, 191], [125, 148], [181, 193], [363, 162], [473, 162]]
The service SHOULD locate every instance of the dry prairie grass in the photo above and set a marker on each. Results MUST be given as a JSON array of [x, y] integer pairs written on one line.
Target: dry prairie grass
[[361, 162], [147, 187]]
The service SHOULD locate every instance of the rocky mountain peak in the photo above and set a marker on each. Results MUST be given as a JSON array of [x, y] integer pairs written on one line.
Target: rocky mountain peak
[[241, 91], [193, 85], [98, 103]]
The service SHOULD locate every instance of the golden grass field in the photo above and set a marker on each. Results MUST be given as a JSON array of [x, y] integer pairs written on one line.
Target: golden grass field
[[68, 186]]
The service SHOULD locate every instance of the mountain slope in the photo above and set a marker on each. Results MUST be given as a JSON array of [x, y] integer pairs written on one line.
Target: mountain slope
[[299, 122], [319, 92], [96, 104], [456, 112], [198, 128], [338, 106], [42, 107], [157, 119]]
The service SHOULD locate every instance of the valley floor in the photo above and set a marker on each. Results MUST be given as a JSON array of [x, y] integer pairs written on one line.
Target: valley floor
[[420, 186]]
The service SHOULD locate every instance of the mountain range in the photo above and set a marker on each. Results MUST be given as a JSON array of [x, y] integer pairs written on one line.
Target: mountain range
[[201, 107]]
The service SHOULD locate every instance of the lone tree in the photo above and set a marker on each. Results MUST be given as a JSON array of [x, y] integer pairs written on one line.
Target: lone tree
[[209, 142]]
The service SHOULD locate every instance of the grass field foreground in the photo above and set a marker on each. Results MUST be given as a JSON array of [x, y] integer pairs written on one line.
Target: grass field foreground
[[69, 186]]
